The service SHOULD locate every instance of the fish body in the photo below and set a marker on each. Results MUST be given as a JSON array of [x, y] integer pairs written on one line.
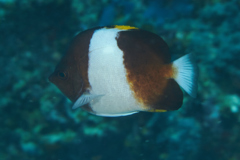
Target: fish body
[[121, 70]]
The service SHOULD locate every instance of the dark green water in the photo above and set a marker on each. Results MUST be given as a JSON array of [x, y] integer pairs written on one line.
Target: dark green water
[[36, 119]]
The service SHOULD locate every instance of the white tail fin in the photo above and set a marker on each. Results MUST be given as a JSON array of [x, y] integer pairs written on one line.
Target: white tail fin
[[187, 75]]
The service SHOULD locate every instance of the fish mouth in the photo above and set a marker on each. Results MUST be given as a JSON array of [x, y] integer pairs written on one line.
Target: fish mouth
[[50, 78]]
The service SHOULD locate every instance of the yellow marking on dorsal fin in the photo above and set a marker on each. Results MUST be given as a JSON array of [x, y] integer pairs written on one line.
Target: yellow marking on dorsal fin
[[124, 27], [157, 110]]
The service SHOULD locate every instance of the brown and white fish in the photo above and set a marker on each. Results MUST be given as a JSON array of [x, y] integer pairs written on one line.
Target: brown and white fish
[[121, 70]]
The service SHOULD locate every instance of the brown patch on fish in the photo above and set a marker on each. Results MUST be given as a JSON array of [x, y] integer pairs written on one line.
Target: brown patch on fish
[[171, 97], [75, 64], [87, 108], [147, 62]]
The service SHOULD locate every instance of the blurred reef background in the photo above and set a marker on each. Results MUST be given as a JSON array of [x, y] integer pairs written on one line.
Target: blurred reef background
[[36, 119]]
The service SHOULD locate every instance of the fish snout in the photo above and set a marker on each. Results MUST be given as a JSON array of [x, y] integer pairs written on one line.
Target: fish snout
[[51, 78]]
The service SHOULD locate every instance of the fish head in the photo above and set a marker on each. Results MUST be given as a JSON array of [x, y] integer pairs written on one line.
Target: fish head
[[67, 78]]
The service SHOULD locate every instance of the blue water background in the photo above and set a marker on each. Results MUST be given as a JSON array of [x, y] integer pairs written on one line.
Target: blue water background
[[36, 120]]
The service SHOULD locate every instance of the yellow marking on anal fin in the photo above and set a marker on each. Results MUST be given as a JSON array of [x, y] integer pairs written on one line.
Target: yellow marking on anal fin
[[124, 27], [157, 110]]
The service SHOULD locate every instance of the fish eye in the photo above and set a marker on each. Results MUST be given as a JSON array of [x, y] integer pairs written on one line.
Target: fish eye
[[63, 75]]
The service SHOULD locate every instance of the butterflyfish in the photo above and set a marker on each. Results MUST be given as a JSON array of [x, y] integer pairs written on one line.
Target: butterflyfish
[[121, 70]]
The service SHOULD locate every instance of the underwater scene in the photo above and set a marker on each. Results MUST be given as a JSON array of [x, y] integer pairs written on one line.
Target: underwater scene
[[37, 121]]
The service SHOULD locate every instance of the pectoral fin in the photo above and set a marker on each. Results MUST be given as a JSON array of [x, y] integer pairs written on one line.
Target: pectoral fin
[[85, 99]]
